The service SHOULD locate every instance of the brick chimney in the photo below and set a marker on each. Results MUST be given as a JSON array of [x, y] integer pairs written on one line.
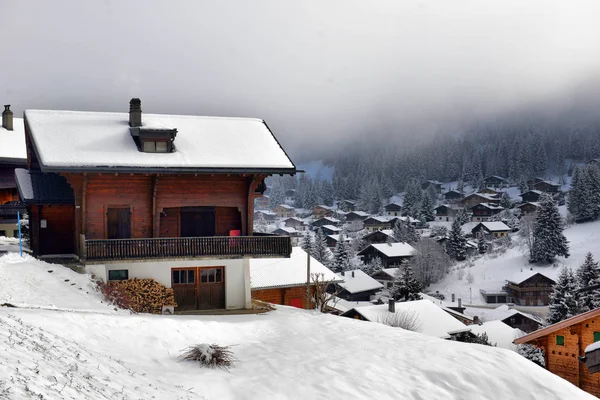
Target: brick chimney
[[392, 306], [135, 112], [7, 118]]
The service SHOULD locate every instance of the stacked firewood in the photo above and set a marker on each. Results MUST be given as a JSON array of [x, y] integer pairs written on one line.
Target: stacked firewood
[[142, 295]]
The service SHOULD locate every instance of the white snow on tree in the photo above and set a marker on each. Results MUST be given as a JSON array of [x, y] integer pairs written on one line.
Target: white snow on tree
[[404, 232], [406, 287], [584, 196], [307, 243], [481, 243], [320, 251], [276, 195], [532, 353], [563, 300], [588, 274], [462, 217], [456, 245], [548, 238], [261, 223], [341, 255]]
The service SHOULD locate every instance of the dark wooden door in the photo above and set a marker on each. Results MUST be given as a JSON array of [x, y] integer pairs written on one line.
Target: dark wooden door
[[56, 227], [199, 288], [197, 222], [118, 223], [183, 282]]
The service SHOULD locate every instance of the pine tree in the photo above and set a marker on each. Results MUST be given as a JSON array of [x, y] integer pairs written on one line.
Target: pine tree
[[261, 223], [412, 198], [481, 243], [404, 232], [276, 195], [462, 217], [563, 300], [426, 211], [532, 353], [548, 238], [341, 255], [588, 274], [307, 243], [460, 186], [457, 243], [327, 193], [406, 287], [505, 200], [320, 251]]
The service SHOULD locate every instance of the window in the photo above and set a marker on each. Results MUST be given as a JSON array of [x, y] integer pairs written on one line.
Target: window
[[155, 147], [596, 337], [184, 276], [2, 233], [118, 275], [560, 340]]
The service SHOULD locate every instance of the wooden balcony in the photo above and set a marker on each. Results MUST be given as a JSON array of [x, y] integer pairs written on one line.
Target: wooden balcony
[[11, 210], [187, 248]]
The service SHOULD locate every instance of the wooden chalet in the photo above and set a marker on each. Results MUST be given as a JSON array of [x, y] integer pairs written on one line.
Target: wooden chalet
[[283, 280], [494, 296], [356, 285], [528, 208], [320, 211], [378, 236], [284, 211], [373, 224], [392, 254], [477, 198], [330, 230], [261, 203], [357, 216], [347, 205], [494, 181], [386, 276], [531, 196], [332, 240], [490, 191], [546, 187], [529, 288], [484, 211], [290, 195], [493, 229], [436, 184], [453, 195], [564, 345], [265, 214], [393, 209], [154, 196], [446, 212], [321, 222], [295, 223]]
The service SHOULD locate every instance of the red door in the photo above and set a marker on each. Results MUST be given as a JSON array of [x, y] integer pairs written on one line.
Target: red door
[[296, 302]]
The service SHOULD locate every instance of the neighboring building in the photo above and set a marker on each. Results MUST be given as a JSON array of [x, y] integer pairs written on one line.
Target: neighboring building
[[262, 202], [332, 240], [386, 276], [153, 196], [330, 230], [347, 205], [476, 198], [295, 223], [453, 195], [446, 212], [436, 184], [287, 231], [509, 316], [495, 229], [266, 215], [325, 221], [490, 191], [531, 196], [393, 209], [564, 343], [378, 236], [390, 254], [373, 224], [284, 211], [494, 181], [321, 211], [546, 187], [528, 208], [535, 180], [529, 288], [484, 211], [357, 286], [290, 195], [492, 296], [355, 216], [432, 320], [498, 333], [283, 280]]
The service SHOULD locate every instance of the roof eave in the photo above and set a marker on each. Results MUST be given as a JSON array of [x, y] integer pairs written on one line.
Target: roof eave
[[168, 170]]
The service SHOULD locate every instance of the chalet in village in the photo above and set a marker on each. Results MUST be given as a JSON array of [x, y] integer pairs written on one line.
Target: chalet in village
[[168, 197], [529, 288]]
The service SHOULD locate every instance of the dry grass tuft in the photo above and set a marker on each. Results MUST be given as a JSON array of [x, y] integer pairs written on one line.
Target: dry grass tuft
[[209, 355]]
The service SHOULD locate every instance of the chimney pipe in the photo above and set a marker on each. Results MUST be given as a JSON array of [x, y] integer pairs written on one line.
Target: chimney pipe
[[453, 297], [459, 302], [392, 306], [476, 320], [7, 118], [353, 274], [342, 273], [135, 112]]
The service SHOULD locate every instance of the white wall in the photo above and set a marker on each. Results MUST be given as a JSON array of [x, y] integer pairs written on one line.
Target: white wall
[[237, 275]]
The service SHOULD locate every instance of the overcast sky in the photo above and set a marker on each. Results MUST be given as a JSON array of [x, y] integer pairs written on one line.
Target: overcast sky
[[316, 71]]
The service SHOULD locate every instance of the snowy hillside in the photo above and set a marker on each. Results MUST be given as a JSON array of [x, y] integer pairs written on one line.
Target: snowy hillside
[[490, 272], [285, 354]]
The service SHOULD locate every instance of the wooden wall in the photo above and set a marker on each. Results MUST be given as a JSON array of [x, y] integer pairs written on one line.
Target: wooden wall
[[283, 296], [58, 237], [227, 218]]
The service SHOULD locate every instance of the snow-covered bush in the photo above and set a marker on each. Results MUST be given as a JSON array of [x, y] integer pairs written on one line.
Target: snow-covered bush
[[470, 277], [408, 320], [209, 355], [438, 231], [532, 353]]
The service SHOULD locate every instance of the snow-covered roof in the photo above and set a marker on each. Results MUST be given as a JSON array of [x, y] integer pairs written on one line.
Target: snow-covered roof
[[330, 219], [357, 281], [494, 176], [337, 238], [532, 191], [325, 207], [360, 213], [265, 212], [394, 249], [268, 273], [12, 143], [332, 228], [90, 140], [498, 333], [345, 305], [285, 206], [391, 271], [522, 276], [432, 319], [490, 206], [294, 219], [380, 219], [495, 226], [484, 195], [287, 229], [499, 313]]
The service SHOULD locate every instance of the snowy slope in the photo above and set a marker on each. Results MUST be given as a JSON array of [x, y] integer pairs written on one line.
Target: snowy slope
[[490, 272], [285, 354]]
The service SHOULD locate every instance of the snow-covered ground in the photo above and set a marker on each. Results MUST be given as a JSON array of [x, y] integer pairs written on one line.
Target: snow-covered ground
[[285, 354], [491, 271]]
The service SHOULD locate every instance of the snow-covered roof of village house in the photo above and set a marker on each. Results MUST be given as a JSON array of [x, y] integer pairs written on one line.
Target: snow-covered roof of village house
[[285, 206], [495, 226], [532, 191], [12, 143], [357, 281], [498, 333], [325, 207], [265, 212], [490, 197], [330, 219], [432, 320], [490, 206], [268, 273], [343, 305], [391, 271], [294, 219], [498, 314], [360, 213], [394, 249], [332, 228], [91, 140], [337, 238], [522, 276], [494, 176], [380, 218]]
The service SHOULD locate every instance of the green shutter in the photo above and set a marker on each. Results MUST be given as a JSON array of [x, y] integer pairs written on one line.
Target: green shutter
[[560, 340], [596, 337]]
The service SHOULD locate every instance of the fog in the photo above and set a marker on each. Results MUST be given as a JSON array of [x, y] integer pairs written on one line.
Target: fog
[[320, 73]]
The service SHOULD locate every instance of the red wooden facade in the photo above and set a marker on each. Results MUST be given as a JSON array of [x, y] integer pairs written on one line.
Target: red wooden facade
[[291, 296]]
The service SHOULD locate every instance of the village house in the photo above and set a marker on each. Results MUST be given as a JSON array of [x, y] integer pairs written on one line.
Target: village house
[[531, 196], [393, 209], [332, 240], [446, 212], [509, 316], [386, 276], [262, 202], [453, 195], [321, 222], [490, 191], [295, 223], [494, 296], [330, 230], [13, 154], [357, 216], [564, 345], [493, 229], [484, 211], [284, 211], [166, 197], [283, 280], [432, 320], [347, 205], [320, 211], [266, 215], [546, 187], [357, 286], [290, 196], [373, 224], [476, 198], [436, 184], [291, 232], [494, 181], [528, 208], [391, 254], [529, 288], [378, 236]]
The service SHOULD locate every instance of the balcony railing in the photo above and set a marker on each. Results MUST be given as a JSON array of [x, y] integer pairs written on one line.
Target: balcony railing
[[11, 210], [187, 247]]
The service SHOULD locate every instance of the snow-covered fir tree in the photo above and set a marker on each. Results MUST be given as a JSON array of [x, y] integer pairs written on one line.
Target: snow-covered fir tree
[[276, 195], [481, 243], [412, 199], [588, 274], [462, 217], [406, 287], [320, 251], [505, 200], [532, 353], [548, 238], [261, 223], [327, 193], [307, 243], [426, 211], [404, 232], [564, 297], [341, 255], [456, 245]]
